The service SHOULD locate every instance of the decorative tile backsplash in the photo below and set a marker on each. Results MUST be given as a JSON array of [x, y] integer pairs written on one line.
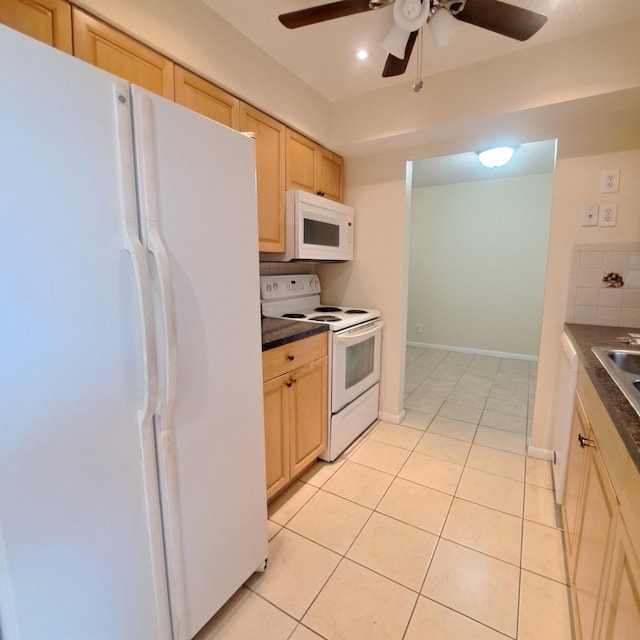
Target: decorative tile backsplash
[[604, 284]]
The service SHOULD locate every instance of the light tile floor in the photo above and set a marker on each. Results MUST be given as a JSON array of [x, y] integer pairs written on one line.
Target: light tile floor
[[439, 528]]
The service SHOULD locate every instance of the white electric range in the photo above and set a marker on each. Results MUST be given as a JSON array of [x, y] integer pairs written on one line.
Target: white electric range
[[354, 352]]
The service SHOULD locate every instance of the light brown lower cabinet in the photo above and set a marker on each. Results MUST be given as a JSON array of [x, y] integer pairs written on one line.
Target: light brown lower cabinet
[[295, 409], [604, 569], [621, 599]]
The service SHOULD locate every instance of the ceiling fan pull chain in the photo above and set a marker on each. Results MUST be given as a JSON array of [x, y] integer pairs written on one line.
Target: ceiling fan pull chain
[[418, 85]]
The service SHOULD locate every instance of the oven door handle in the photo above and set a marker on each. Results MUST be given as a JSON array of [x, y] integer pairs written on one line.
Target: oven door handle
[[350, 337]]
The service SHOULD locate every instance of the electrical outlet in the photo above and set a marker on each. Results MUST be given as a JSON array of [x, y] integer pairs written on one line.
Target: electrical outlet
[[589, 215], [609, 181], [608, 215], [418, 328]]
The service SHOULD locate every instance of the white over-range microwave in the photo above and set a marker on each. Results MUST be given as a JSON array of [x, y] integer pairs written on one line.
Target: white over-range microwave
[[316, 229]]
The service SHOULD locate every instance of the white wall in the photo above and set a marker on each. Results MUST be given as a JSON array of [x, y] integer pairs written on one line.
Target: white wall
[[375, 278], [577, 181], [477, 264]]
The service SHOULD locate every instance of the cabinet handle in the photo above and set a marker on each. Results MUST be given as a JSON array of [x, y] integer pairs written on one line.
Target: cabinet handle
[[290, 358], [289, 383], [585, 442], [320, 193]]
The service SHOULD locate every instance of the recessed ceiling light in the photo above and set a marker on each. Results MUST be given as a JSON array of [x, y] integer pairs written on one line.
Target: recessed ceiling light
[[362, 54]]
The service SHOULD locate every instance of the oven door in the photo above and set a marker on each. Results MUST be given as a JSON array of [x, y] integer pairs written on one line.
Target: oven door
[[355, 362]]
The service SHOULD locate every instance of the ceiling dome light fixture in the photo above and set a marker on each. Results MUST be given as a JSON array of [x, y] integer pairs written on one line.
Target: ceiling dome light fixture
[[362, 54], [496, 157]]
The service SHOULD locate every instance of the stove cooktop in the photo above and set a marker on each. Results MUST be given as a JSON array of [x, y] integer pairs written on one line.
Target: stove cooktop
[[298, 298]]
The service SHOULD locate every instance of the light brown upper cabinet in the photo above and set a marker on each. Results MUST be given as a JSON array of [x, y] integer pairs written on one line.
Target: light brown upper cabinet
[[46, 20], [329, 174], [270, 150], [199, 95], [107, 48], [312, 168], [300, 161]]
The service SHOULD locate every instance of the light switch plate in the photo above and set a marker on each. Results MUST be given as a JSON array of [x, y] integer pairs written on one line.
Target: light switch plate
[[589, 215]]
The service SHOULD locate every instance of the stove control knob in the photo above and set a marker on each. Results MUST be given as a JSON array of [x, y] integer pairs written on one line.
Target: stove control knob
[[275, 286]]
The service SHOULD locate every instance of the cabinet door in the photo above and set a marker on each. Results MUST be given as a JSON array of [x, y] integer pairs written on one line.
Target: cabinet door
[[308, 414], [329, 174], [593, 540], [621, 616], [276, 433], [46, 20], [109, 49], [201, 96], [576, 459], [300, 162], [270, 150]]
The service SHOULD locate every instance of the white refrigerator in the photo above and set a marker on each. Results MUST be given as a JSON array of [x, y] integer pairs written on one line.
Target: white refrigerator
[[132, 485]]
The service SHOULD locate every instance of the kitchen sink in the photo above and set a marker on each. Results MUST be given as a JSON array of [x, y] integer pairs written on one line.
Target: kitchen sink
[[623, 366], [628, 361]]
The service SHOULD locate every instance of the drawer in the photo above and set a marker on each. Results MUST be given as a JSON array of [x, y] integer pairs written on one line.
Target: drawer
[[280, 360]]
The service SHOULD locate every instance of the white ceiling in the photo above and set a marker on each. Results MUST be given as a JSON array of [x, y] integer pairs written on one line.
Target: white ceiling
[[323, 55]]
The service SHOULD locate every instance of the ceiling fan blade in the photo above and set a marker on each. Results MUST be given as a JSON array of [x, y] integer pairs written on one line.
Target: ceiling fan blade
[[397, 66], [500, 17], [323, 12]]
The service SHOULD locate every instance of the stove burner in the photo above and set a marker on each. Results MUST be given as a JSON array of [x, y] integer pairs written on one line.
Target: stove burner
[[355, 311], [325, 318], [293, 315], [328, 309]]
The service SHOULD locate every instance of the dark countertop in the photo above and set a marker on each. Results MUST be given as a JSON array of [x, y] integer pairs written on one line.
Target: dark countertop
[[276, 331], [624, 417]]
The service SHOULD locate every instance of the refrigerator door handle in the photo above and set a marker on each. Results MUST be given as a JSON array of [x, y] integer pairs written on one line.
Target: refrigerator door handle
[[145, 310], [144, 142], [168, 372], [134, 247], [152, 240]]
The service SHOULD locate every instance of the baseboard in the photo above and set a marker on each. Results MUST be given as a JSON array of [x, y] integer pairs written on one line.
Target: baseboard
[[394, 418], [537, 452], [480, 352]]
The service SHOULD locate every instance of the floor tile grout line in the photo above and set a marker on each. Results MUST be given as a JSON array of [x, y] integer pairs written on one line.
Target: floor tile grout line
[[395, 476]]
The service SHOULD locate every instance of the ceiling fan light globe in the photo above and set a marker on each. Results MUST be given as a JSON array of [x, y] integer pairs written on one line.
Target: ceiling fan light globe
[[442, 26], [411, 15], [395, 42]]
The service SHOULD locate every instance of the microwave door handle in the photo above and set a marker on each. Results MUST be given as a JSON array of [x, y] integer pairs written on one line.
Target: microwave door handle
[[356, 336]]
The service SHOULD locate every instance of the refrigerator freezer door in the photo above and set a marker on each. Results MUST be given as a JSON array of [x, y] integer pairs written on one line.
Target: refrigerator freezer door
[[80, 552], [198, 195]]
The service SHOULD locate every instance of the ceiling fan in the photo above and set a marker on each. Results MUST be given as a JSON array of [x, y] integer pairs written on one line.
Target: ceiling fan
[[409, 16]]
